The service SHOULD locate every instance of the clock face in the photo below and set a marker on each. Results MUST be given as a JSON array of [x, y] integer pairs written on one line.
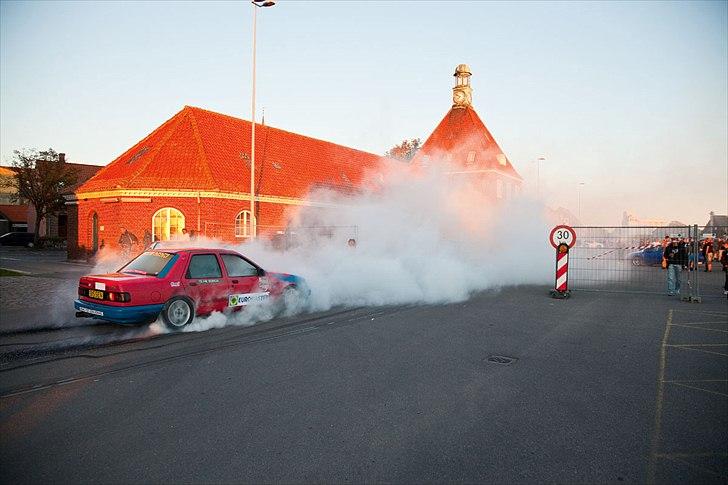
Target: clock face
[[458, 97]]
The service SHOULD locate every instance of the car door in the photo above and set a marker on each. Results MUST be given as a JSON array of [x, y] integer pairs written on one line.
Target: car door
[[205, 283], [246, 284]]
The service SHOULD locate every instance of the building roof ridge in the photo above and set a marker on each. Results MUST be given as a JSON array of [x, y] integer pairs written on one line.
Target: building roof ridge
[[259, 125], [179, 116], [201, 148]]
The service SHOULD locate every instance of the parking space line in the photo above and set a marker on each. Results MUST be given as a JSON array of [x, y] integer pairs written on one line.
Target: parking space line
[[701, 328], [701, 350], [699, 389], [706, 312], [705, 323], [701, 454], [697, 345], [697, 467], [696, 380], [656, 430]]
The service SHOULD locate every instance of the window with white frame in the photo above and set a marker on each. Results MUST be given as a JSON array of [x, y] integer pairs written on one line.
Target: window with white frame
[[499, 189], [242, 224], [471, 157], [167, 224]]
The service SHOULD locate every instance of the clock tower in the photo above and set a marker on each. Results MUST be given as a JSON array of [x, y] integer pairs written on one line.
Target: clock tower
[[462, 93]]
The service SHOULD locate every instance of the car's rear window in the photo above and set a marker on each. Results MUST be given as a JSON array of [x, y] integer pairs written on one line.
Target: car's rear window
[[149, 262]]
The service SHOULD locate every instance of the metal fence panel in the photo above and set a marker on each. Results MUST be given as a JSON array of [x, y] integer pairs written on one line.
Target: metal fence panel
[[627, 259]]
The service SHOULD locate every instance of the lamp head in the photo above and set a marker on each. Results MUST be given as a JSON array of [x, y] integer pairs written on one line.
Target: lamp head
[[263, 3]]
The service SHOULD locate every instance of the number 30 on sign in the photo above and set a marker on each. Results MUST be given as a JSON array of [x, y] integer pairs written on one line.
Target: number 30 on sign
[[562, 235]]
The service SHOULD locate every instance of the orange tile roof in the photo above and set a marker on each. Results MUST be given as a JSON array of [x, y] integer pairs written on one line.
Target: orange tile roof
[[15, 213], [459, 133], [202, 150]]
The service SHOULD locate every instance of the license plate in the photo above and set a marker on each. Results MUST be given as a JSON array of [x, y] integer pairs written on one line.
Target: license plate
[[99, 295]]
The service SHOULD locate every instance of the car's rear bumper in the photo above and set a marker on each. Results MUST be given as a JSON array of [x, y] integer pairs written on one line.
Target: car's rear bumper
[[118, 314]]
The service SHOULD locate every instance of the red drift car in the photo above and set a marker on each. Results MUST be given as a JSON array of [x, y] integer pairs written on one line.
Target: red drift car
[[180, 284]]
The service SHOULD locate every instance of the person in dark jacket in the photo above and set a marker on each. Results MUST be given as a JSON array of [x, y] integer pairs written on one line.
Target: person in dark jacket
[[724, 262], [676, 256]]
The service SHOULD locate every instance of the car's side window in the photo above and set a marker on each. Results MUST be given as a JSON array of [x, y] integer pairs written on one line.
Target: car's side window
[[237, 266], [204, 266]]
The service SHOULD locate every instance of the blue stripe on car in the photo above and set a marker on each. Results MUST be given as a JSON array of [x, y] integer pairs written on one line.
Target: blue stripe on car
[[120, 314]]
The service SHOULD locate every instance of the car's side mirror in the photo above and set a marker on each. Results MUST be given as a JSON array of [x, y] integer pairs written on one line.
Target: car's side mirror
[[261, 272]]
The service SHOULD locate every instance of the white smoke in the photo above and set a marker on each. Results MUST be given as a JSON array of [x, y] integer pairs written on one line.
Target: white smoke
[[422, 237]]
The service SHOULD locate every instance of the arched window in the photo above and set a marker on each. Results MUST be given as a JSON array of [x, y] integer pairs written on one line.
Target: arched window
[[167, 224], [242, 224]]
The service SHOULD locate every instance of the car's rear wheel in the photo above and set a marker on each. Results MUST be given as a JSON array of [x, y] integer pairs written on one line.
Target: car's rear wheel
[[293, 300], [636, 261], [178, 312]]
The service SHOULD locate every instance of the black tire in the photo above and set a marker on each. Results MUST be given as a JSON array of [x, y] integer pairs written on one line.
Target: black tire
[[292, 300], [637, 261], [178, 312]]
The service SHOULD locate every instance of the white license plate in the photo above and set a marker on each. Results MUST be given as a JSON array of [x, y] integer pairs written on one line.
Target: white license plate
[[92, 311]]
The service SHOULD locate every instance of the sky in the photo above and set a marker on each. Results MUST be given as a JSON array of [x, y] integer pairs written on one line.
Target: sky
[[629, 99]]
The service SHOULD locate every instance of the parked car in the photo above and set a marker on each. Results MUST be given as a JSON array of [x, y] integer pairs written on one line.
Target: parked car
[[649, 256], [180, 284], [652, 256], [17, 239]]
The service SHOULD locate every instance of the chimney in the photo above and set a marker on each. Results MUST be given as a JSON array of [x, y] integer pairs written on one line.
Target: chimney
[[62, 157]]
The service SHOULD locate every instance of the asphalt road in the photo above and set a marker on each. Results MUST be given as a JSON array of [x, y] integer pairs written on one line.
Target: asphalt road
[[602, 388]]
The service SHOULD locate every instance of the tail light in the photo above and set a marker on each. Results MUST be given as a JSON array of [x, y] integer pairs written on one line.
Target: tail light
[[118, 297]]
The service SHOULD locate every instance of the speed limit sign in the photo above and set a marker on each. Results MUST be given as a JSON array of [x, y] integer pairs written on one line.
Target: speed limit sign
[[562, 235]]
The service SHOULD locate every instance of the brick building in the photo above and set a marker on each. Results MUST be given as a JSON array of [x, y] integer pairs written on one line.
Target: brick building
[[193, 172]]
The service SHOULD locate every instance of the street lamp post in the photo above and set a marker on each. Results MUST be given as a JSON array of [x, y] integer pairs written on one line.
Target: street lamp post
[[538, 177], [253, 222]]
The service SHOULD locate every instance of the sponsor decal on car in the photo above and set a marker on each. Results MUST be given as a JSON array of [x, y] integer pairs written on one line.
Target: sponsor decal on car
[[246, 298], [174, 284], [92, 311], [207, 281], [100, 286]]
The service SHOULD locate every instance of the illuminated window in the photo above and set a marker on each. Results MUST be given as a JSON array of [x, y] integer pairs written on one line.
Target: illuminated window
[[499, 189], [167, 224], [471, 157], [242, 224]]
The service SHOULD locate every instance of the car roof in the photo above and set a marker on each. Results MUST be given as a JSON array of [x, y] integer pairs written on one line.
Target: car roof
[[193, 250]]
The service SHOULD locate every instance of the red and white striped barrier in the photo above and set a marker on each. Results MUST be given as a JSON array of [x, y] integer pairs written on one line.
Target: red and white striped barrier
[[562, 271], [562, 238]]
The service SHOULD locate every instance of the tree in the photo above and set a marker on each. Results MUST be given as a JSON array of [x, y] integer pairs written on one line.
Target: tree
[[41, 178], [405, 151]]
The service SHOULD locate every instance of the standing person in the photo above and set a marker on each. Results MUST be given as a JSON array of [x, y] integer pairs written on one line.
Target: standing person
[[676, 257], [126, 241], [707, 251], [147, 238], [724, 262]]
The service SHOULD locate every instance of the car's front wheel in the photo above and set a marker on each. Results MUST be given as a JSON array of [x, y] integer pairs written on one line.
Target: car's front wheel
[[636, 261], [178, 312]]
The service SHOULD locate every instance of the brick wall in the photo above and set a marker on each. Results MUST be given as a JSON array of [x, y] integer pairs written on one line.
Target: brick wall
[[214, 216]]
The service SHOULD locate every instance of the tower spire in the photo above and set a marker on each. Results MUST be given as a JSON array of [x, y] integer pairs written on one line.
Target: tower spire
[[462, 93]]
